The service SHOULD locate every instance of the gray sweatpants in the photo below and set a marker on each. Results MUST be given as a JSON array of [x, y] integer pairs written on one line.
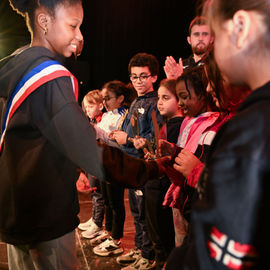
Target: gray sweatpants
[[57, 254]]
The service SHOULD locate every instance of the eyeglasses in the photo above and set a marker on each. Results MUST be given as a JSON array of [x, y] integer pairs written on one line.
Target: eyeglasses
[[107, 98], [142, 78]]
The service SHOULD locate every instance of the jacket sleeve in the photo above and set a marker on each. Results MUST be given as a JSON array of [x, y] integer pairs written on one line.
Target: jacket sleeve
[[60, 119], [236, 200], [126, 170]]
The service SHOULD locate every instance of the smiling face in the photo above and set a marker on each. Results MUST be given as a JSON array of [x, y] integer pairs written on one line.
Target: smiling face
[[63, 29], [191, 104], [143, 82]]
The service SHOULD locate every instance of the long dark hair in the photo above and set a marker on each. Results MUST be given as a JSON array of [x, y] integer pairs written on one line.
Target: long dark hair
[[119, 88]]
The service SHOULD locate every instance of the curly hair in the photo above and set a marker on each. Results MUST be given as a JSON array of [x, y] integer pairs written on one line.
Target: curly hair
[[144, 60]]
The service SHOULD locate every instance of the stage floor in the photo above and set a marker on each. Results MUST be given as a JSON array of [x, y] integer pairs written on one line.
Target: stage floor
[[87, 259]]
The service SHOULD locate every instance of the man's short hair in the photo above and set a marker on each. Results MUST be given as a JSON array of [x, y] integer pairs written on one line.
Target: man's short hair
[[198, 20], [144, 60]]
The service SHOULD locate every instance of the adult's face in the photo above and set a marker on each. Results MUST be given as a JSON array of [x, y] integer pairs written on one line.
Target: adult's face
[[200, 38]]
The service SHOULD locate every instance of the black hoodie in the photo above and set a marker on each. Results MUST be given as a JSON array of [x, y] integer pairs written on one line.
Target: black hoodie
[[47, 138]]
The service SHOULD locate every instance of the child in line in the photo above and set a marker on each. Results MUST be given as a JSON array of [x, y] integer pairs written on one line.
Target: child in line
[[194, 138], [92, 106], [236, 199], [159, 218], [117, 98], [143, 70]]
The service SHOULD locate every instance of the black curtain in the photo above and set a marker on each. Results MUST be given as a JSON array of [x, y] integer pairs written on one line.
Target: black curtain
[[115, 30]]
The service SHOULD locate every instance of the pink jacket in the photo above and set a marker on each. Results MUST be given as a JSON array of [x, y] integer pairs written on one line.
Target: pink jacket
[[194, 131]]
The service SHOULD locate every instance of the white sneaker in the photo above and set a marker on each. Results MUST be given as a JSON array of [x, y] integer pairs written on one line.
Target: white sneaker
[[100, 237], [91, 232], [130, 257], [108, 247], [141, 264], [86, 225]]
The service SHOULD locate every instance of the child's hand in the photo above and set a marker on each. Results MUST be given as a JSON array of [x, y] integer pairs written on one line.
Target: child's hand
[[149, 156], [166, 148], [82, 182], [185, 162], [139, 142], [173, 69], [119, 136]]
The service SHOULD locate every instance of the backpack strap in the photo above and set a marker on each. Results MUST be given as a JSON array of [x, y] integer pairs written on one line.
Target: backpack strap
[[39, 75]]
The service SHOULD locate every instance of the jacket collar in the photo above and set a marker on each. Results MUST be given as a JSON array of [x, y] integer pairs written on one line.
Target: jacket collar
[[260, 94], [148, 95]]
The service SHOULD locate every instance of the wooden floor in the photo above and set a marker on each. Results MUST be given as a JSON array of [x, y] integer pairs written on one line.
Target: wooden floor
[[87, 259]]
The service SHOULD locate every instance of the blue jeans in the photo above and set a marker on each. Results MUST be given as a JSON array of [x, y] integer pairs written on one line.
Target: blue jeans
[[137, 207]]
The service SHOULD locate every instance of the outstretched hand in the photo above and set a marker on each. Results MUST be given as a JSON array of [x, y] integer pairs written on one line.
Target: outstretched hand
[[163, 164], [119, 136]]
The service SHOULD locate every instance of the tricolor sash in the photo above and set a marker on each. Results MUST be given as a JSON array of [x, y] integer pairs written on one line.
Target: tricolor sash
[[36, 77]]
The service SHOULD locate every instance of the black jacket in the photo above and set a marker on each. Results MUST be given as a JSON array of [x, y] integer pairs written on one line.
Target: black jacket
[[47, 139], [230, 224]]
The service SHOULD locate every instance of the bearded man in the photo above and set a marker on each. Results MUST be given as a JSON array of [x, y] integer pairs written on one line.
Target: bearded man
[[200, 39]]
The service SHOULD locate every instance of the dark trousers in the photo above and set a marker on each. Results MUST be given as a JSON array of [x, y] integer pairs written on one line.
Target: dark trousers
[[98, 207], [159, 219], [115, 202], [108, 210], [137, 207]]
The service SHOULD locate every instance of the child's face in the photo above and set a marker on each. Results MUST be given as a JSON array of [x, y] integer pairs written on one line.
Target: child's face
[[110, 100], [92, 109], [191, 104], [167, 103], [64, 35], [141, 80]]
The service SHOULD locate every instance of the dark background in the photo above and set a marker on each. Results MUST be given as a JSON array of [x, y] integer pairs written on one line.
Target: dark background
[[114, 30]]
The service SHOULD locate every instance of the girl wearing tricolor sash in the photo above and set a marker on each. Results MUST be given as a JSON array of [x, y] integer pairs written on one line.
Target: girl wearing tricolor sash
[[45, 136]]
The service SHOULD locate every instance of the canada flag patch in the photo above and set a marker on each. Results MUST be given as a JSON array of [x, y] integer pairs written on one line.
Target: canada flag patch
[[232, 254]]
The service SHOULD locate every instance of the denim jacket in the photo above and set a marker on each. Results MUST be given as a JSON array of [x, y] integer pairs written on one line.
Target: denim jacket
[[142, 106]]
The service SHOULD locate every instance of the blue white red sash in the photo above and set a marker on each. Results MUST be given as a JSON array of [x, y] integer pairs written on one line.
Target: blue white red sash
[[38, 76]]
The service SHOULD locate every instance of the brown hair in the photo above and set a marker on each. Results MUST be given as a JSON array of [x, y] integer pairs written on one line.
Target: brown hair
[[93, 96], [223, 10], [198, 20], [119, 88], [170, 85]]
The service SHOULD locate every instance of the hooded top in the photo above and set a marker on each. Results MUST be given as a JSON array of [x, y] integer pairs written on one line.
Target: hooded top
[[46, 139]]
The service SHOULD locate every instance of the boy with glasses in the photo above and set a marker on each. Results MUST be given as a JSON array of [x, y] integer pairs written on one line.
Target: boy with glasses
[[143, 69]]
